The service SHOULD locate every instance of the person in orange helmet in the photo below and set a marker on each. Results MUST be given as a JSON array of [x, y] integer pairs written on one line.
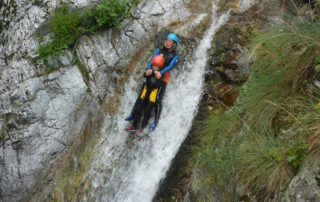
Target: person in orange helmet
[[147, 97], [168, 52]]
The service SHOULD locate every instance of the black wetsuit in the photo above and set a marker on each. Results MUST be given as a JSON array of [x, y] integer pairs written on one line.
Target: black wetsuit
[[146, 101], [171, 59], [168, 56]]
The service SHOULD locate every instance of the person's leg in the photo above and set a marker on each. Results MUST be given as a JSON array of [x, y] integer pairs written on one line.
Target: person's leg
[[141, 104], [137, 110], [150, 100], [147, 114], [158, 105], [136, 114], [130, 117]]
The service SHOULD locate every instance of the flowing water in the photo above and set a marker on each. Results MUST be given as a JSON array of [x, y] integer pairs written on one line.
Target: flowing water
[[127, 168]]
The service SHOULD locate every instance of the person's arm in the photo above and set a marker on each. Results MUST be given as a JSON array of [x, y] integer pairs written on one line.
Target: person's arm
[[154, 54], [173, 62], [145, 74]]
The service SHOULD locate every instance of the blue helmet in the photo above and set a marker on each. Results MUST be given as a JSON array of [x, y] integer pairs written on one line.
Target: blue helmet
[[173, 37]]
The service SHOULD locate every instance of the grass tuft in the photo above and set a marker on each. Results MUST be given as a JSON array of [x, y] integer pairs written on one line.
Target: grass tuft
[[266, 164], [215, 155]]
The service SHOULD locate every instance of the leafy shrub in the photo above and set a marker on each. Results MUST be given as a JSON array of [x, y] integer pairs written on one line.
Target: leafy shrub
[[66, 28], [106, 15], [68, 25]]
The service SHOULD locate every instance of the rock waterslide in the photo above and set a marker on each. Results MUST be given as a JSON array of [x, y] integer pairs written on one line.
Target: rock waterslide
[[42, 115], [122, 173]]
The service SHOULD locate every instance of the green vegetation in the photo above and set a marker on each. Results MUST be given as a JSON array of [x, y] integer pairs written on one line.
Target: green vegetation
[[216, 136], [68, 25], [82, 68], [49, 68], [262, 141], [105, 15]]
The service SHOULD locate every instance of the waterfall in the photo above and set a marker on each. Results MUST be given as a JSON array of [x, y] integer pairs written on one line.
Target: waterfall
[[127, 168]]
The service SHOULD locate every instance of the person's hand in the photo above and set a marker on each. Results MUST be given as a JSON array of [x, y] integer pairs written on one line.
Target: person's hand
[[157, 74], [149, 72]]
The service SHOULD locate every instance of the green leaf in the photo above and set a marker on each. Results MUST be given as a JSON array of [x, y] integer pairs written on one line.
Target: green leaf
[[274, 154], [317, 68], [291, 158]]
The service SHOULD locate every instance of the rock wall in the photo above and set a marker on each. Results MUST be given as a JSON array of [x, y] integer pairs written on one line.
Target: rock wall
[[36, 110], [306, 185], [41, 116]]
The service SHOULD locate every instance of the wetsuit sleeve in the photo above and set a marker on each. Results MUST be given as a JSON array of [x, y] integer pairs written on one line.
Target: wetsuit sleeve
[[154, 54], [173, 62]]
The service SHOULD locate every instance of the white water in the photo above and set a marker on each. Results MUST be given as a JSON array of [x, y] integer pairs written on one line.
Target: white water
[[130, 169]]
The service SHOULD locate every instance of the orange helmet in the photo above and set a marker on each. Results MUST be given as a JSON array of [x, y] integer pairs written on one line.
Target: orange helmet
[[158, 60]]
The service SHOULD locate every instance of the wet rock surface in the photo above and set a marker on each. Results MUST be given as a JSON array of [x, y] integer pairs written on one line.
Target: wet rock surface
[[230, 56], [41, 115]]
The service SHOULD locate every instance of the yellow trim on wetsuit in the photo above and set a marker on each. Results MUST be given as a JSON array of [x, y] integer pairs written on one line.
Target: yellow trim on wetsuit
[[153, 94], [143, 94]]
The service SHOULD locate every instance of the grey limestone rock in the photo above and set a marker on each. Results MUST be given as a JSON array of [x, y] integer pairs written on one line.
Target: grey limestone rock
[[41, 114], [305, 186]]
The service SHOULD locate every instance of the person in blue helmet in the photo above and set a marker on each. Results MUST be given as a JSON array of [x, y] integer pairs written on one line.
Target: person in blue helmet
[[168, 51]]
